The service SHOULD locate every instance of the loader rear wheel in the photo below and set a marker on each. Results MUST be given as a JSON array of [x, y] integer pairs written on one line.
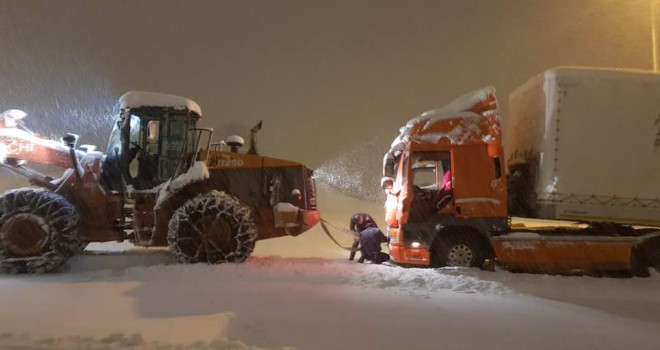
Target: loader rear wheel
[[460, 248], [212, 228], [38, 231]]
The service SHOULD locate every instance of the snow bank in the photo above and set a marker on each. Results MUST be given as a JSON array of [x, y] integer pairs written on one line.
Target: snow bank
[[422, 282], [317, 303], [134, 99], [117, 296], [118, 341]]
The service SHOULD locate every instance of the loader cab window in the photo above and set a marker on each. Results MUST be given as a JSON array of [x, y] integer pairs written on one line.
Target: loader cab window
[[173, 141], [134, 146], [154, 141], [143, 149], [153, 131], [111, 175]]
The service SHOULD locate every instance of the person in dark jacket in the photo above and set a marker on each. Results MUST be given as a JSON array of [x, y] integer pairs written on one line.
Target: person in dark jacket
[[359, 222], [370, 240]]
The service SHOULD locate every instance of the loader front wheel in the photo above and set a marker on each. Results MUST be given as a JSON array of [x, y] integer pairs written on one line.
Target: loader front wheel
[[463, 249], [38, 231], [212, 228]]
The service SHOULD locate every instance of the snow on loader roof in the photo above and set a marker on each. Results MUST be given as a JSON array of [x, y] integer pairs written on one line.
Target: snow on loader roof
[[134, 99]]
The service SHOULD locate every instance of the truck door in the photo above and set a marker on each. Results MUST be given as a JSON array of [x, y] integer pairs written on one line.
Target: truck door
[[473, 176]]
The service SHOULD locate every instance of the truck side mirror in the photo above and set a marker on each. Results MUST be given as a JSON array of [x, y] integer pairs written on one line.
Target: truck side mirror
[[386, 183]]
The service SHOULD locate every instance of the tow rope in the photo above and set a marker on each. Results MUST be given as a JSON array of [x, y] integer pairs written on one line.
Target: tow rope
[[327, 232]]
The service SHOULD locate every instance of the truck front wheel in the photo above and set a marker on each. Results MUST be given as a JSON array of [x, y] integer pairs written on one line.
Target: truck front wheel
[[38, 231], [465, 249], [212, 228]]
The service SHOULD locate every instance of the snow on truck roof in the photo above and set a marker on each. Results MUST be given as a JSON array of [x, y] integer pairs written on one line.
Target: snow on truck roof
[[134, 99], [469, 109], [584, 73]]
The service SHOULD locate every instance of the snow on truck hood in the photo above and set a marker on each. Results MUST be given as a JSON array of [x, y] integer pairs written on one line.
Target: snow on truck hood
[[134, 99]]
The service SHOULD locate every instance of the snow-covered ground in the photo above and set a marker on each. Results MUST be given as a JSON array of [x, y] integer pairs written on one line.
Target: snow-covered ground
[[303, 293]]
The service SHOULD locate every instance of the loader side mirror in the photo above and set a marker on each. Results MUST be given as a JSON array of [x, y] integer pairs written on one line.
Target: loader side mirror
[[70, 140]]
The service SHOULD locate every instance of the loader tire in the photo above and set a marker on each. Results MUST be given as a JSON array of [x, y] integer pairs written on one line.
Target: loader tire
[[459, 248], [38, 231], [212, 228]]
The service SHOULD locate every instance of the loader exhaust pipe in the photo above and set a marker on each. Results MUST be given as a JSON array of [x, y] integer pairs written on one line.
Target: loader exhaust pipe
[[253, 138]]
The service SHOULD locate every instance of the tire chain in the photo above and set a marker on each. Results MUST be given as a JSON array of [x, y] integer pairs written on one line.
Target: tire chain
[[220, 205], [62, 228]]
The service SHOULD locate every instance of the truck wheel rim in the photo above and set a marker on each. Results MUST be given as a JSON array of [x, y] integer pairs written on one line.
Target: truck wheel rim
[[24, 235], [217, 235], [460, 255]]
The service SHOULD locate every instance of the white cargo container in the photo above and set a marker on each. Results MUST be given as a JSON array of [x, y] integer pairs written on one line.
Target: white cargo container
[[584, 144]]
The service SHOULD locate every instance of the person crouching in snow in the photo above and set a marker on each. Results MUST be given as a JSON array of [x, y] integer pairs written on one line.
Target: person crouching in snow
[[358, 223], [370, 240]]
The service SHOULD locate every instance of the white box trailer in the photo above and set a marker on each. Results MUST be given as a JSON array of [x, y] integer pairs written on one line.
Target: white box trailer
[[584, 144]]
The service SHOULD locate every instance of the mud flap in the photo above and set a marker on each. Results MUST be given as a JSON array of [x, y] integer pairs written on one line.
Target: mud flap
[[651, 249]]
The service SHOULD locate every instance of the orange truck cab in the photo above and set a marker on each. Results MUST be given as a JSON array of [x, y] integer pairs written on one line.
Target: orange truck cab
[[447, 204], [445, 184]]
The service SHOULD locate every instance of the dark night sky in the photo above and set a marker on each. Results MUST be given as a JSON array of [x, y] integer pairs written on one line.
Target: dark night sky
[[324, 75]]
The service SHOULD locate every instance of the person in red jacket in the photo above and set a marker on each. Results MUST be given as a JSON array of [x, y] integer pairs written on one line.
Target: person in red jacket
[[446, 190]]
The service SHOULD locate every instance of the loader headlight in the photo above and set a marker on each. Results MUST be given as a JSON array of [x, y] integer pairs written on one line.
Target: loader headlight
[[415, 244]]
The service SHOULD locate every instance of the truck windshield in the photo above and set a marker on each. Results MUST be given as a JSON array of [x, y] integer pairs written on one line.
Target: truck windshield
[[428, 169]]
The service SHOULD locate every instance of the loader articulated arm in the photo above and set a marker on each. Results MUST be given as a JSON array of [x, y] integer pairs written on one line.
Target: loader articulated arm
[[19, 145]]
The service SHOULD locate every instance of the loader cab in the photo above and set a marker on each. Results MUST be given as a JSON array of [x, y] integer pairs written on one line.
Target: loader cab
[[154, 139]]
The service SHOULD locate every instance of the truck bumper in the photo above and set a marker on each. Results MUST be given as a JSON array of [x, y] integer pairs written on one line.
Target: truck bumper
[[409, 256]]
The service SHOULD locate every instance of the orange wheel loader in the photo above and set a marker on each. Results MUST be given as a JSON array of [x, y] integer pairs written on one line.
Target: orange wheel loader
[[158, 184]]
